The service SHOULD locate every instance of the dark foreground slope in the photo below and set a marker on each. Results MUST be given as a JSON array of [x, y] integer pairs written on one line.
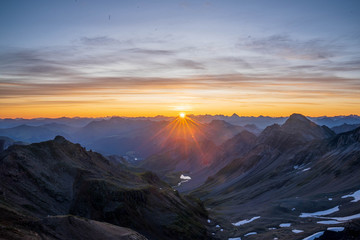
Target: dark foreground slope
[[42, 183], [17, 225], [295, 168]]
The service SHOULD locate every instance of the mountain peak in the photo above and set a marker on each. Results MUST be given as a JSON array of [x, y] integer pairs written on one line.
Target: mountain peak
[[60, 139], [234, 115], [297, 120], [298, 117], [300, 125]]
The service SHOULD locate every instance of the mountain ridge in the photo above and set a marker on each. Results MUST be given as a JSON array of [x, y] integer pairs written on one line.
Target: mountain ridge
[[284, 178], [58, 177]]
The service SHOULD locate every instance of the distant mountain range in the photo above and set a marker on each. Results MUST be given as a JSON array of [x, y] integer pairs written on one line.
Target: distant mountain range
[[260, 122], [117, 135]]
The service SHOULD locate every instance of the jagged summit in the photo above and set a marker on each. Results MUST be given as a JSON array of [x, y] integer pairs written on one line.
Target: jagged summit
[[300, 125], [297, 122], [297, 129]]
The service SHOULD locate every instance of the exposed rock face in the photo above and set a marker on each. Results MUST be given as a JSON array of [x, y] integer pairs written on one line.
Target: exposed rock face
[[58, 178]]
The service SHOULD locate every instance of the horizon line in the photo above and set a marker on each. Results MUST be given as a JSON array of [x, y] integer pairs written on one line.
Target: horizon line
[[172, 116]]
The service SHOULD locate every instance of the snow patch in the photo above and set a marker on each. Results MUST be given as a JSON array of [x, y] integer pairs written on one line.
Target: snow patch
[[336, 229], [293, 209], [272, 228], [297, 231], [235, 238], [217, 226], [242, 222], [330, 199], [250, 233], [285, 225], [221, 230], [209, 221], [320, 213], [355, 195], [314, 236], [328, 222], [306, 169], [185, 177]]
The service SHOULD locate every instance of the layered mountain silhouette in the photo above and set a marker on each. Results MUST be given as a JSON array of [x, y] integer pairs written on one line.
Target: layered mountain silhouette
[[119, 135]]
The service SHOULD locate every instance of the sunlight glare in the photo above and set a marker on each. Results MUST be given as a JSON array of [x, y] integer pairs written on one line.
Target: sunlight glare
[[182, 115]]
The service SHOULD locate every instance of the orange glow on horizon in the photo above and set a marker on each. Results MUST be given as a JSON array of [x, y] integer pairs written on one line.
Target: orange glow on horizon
[[245, 97]]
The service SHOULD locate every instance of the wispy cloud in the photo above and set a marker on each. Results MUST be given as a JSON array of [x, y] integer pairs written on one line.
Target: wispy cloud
[[150, 51], [288, 47], [276, 55], [111, 73], [223, 83], [99, 41]]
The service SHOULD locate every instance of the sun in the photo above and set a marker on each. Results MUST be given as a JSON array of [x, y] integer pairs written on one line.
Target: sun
[[182, 115]]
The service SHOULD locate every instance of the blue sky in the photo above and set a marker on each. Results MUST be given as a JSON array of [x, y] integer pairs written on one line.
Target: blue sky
[[298, 53]]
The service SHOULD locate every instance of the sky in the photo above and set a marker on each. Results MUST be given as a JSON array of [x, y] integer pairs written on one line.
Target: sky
[[98, 58]]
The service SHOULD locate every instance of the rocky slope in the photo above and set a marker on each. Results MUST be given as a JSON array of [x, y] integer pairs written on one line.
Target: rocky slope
[[18, 226], [298, 167], [43, 181]]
